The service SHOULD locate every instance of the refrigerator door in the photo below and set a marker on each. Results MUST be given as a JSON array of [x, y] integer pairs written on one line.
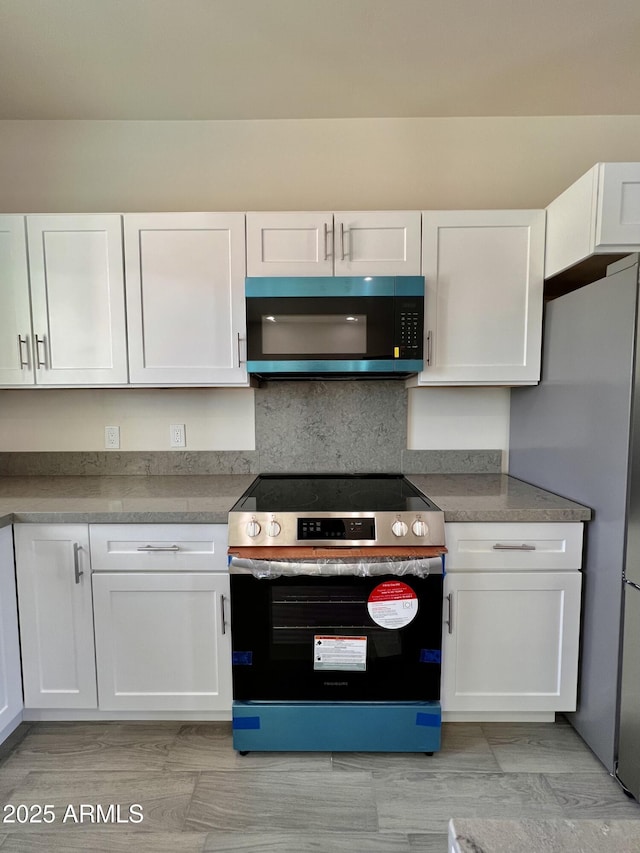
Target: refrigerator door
[[629, 737], [571, 435]]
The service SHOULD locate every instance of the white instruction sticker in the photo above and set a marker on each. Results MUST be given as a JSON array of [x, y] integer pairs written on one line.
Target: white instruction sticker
[[392, 604], [346, 653]]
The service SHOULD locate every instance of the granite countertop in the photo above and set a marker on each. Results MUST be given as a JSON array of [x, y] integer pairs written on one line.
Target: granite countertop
[[202, 498], [495, 497], [208, 498], [475, 835]]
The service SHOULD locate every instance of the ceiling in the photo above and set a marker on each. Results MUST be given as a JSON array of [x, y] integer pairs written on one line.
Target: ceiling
[[292, 59]]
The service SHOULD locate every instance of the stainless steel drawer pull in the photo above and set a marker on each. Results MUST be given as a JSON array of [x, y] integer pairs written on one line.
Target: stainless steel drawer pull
[[429, 345], [76, 561], [150, 548], [224, 621], [499, 547], [240, 360], [342, 251], [449, 621]]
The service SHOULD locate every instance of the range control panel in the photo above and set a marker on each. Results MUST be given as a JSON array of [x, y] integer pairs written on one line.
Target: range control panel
[[332, 529]]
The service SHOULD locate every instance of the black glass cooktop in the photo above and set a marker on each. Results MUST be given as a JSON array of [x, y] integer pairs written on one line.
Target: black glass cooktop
[[332, 493]]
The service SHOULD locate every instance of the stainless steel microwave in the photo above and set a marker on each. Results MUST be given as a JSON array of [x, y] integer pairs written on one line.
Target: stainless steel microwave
[[335, 327]]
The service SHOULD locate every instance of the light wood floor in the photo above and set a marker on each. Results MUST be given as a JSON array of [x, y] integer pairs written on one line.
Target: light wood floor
[[197, 794]]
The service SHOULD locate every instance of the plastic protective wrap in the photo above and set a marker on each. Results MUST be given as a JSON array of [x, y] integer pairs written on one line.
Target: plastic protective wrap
[[332, 566]]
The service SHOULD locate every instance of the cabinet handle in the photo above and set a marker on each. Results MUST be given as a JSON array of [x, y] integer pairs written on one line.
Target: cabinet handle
[[342, 252], [429, 344], [41, 341], [326, 242], [224, 621], [523, 547], [76, 561], [449, 620], [150, 548], [240, 360], [23, 342]]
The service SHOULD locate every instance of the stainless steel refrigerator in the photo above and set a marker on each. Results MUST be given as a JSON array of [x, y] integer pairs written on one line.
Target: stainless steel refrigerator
[[577, 433]]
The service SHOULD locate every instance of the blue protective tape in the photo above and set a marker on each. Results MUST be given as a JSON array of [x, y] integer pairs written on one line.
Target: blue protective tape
[[314, 286], [242, 658], [246, 723], [430, 656], [423, 719]]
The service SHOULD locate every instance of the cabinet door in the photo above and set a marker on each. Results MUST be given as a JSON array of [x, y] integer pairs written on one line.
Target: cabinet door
[[618, 215], [10, 673], [510, 641], [77, 298], [483, 301], [185, 298], [162, 641], [289, 244], [56, 619], [377, 243], [16, 355]]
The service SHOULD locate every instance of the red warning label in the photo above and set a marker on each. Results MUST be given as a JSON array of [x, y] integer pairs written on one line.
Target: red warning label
[[392, 604]]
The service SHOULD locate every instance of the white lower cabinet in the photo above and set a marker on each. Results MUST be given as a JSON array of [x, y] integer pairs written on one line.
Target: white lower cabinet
[[511, 627], [10, 675], [162, 641], [510, 641], [56, 615], [158, 596]]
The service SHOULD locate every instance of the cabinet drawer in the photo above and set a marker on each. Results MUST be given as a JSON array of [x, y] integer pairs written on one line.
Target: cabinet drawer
[[158, 547], [529, 547]]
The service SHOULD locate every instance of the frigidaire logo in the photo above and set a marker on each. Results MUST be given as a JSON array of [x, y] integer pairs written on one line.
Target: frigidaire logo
[[336, 683]]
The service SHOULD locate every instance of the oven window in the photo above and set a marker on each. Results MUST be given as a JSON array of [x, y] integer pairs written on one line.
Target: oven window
[[306, 334], [300, 613]]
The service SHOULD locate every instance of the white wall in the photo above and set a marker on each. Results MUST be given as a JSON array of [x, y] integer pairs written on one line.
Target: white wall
[[342, 164], [332, 164], [50, 420]]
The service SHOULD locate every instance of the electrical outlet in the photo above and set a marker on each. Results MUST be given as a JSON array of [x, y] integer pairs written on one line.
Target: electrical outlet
[[112, 438], [177, 436]]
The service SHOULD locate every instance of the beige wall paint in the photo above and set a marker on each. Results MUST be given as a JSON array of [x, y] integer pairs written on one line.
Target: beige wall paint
[[58, 420], [80, 166], [447, 163]]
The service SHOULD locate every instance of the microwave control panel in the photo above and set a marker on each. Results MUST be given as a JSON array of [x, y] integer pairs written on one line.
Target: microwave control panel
[[409, 329]]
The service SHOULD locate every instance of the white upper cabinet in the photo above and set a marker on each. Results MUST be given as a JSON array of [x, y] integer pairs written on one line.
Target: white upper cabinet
[[483, 297], [16, 343], [598, 214], [77, 299], [348, 243], [185, 298]]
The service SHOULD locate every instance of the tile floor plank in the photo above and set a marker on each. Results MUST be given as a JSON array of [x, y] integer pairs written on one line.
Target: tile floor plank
[[321, 842], [164, 797], [424, 802], [308, 802], [98, 841], [539, 748], [432, 842], [209, 746], [464, 749], [592, 795]]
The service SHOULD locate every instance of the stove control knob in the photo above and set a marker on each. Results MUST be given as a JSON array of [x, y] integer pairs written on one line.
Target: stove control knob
[[420, 528], [399, 528], [273, 529], [253, 528]]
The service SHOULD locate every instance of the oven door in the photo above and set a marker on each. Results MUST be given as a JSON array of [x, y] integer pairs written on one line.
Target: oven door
[[336, 638]]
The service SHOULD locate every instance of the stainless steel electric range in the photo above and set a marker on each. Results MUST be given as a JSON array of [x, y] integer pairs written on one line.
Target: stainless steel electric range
[[336, 614]]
